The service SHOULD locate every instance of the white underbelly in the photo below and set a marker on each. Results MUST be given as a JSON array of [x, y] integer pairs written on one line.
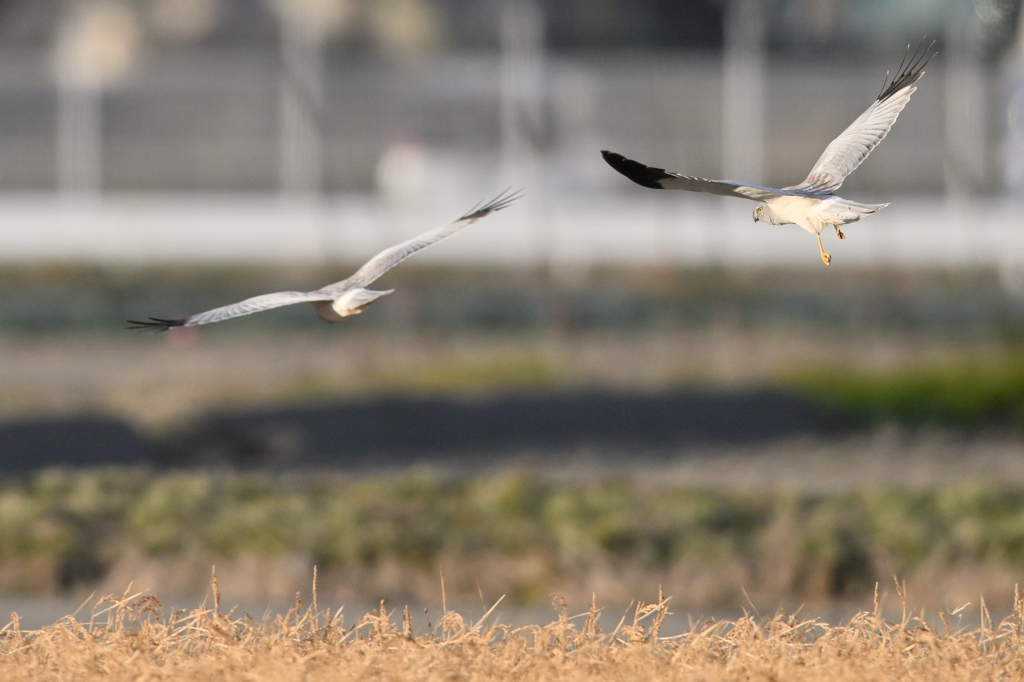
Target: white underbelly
[[810, 214], [325, 311]]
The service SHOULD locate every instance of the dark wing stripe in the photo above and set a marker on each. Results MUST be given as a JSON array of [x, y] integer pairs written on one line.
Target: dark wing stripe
[[155, 324], [636, 171], [503, 200], [659, 178], [909, 75]]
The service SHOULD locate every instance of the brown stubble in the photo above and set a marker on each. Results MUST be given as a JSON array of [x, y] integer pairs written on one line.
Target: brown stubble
[[130, 637]]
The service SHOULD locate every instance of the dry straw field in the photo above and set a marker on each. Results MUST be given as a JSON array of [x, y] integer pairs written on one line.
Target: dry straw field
[[132, 638]]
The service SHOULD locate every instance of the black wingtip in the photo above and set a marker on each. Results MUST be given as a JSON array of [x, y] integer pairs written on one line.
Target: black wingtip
[[503, 200], [911, 69], [155, 324], [636, 171]]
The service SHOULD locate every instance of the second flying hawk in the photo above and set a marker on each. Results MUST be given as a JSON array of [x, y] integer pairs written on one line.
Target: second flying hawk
[[812, 204]]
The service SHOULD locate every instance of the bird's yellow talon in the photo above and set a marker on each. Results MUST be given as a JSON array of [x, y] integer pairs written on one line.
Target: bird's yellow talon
[[827, 258]]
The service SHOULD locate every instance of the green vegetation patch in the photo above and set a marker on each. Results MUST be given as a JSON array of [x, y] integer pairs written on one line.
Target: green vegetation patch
[[525, 371], [833, 544], [964, 393]]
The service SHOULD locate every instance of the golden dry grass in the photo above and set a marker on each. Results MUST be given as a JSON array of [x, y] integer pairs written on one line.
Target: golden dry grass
[[131, 638]]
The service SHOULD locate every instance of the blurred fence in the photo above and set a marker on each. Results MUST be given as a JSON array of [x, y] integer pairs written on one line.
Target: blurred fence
[[213, 123], [195, 158]]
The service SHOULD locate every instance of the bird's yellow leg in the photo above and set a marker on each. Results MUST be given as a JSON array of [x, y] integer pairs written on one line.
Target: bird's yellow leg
[[839, 233], [827, 258]]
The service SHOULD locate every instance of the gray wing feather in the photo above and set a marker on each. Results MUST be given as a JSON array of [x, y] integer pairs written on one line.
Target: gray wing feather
[[390, 257], [253, 305], [659, 178], [720, 187], [842, 156]]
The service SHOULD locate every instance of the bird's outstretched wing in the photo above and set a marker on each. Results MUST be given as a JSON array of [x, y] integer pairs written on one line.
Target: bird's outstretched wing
[[659, 178], [849, 150], [377, 266], [390, 257], [247, 307]]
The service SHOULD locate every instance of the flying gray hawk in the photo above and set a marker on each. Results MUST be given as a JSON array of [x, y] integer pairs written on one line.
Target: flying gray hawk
[[341, 299], [812, 204]]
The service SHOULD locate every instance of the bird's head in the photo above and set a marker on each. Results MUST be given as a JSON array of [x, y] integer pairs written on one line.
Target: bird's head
[[763, 214]]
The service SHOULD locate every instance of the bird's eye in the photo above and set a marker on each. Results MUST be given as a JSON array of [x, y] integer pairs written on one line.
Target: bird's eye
[[759, 209]]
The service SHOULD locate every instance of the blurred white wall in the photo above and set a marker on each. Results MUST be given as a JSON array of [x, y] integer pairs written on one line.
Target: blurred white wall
[[237, 152], [641, 226]]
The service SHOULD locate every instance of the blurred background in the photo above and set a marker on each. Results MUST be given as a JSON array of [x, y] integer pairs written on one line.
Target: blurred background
[[602, 389]]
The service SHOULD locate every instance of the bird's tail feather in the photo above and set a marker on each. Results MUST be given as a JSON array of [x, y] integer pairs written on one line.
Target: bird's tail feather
[[364, 297], [852, 211]]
